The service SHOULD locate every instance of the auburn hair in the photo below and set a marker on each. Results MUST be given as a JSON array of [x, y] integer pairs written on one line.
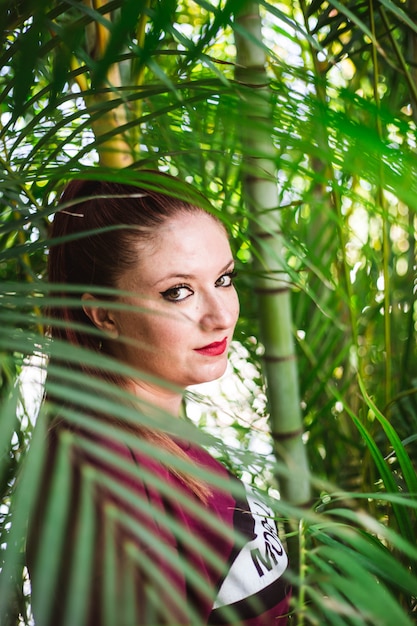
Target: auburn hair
[[94, 237]]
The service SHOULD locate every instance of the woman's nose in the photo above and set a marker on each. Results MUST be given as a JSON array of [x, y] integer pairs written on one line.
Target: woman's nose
[[219, 311]]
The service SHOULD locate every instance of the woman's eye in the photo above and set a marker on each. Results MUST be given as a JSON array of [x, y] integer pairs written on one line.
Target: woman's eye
[[176, 294], [226, 280]]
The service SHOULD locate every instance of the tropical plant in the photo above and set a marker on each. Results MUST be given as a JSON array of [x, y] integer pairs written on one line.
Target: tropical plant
[[97, 89]]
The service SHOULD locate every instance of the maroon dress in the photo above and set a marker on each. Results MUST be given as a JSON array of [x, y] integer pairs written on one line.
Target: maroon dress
[[154, 546], [243, 583]]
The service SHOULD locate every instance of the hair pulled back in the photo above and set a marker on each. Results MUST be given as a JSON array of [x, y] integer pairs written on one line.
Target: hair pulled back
[[95, 238], [91, 246]]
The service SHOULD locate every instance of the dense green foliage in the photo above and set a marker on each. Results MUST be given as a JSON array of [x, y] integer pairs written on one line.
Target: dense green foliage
[[154, 85]]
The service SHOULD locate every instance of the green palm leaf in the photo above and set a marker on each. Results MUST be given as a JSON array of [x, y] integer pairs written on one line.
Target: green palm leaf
[[180, 110]]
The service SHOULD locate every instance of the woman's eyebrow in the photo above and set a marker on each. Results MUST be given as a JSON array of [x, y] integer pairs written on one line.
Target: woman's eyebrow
[[180, 276]]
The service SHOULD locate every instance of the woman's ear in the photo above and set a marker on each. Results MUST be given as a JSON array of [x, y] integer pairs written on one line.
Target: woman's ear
[[100, 315]]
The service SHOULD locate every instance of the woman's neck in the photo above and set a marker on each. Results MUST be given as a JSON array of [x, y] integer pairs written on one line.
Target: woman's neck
[[158, 397]]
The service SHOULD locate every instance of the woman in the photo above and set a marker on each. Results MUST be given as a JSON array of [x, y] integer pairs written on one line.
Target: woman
[[154, 548]]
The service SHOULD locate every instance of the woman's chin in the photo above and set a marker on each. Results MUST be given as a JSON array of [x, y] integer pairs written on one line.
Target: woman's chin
[[211, 374]]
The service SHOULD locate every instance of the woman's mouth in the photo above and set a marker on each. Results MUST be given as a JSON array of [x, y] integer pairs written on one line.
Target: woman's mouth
[[213, 349]]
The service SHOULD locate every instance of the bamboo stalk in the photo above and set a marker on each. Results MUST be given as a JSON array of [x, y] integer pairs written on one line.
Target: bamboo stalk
[[272, 284], [114, 152], [385, 224]]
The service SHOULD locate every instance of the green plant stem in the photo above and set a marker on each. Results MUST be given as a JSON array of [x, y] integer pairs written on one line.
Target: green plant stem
[[335, 193], [272, 284], [300, 611], [385, 224]]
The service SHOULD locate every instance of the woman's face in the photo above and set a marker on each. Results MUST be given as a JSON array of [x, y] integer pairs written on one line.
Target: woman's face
[[183, 278]]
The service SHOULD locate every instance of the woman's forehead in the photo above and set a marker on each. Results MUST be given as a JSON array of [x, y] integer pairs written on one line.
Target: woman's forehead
[[186, 244]]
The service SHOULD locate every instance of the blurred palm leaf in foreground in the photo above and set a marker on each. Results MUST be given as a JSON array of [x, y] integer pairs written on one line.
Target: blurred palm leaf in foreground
[[100, 90]]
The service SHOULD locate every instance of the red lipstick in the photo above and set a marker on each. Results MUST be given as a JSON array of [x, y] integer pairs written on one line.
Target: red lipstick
[[213, 349]]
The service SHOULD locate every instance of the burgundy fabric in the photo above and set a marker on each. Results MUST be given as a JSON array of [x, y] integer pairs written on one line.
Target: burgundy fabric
[[145, 549]]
